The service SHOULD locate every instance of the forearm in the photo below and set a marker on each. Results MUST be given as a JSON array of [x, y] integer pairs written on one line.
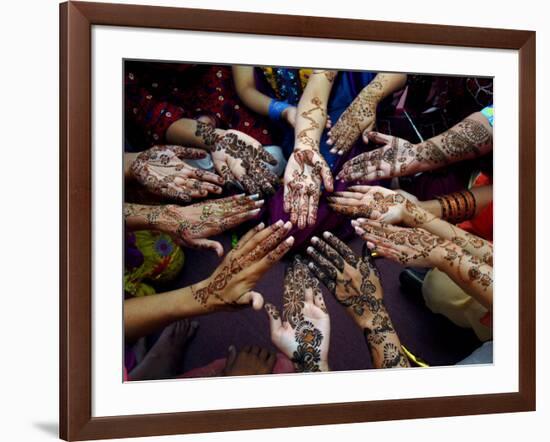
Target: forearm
[[469, 139], [482, 196], [468, 271], [383, 85], [129, 159], [146, 314], [312, 110], [140, 216], [473, 244], [245, 85], [382, 340], [193, 133]]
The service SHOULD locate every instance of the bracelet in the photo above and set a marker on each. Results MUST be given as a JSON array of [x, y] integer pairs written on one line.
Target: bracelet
[[276, 109], [457, 207]]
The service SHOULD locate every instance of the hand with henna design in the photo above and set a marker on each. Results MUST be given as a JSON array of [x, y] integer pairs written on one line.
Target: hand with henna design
[[470, 138], [360, 116], [379, 203], [239, 157], [411, 246], [417, 247], [355, 282], [396, 157], [192, 225], [230, 284], [163, 172], [305, 171], [303, 332]]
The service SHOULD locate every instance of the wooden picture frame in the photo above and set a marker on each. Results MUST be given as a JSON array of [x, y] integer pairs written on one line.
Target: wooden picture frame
[[76, 20]]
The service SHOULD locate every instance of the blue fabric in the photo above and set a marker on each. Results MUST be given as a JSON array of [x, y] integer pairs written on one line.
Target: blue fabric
[[346, 87], [488, 112], [276, 109]]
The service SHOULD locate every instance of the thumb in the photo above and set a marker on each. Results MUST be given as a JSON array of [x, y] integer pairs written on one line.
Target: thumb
[[203, 243], [328, 181], [188, 152], [274, 318], [254, 298]]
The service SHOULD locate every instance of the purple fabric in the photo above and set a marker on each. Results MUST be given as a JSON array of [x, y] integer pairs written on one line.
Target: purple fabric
[[427, 335]]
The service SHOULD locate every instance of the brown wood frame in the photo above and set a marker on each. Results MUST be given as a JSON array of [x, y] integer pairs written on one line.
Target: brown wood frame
[[76, 20]]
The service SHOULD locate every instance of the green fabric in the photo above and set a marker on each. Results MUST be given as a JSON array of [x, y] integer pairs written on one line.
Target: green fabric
[[163, 259]]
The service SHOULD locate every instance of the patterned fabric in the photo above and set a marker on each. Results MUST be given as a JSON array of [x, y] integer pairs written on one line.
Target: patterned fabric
[[287, 84], [151, 257], [489, 113], [157, 94]]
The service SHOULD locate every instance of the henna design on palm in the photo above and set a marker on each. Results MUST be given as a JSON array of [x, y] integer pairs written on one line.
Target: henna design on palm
[[163, 172]]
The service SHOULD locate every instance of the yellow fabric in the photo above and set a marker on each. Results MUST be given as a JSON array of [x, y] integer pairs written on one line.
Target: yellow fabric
[[443, 296]]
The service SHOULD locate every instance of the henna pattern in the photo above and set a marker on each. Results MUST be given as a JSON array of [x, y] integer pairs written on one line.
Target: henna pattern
[[303, 137], [163, 172], [207, 133], [307, 356], [252, 158]]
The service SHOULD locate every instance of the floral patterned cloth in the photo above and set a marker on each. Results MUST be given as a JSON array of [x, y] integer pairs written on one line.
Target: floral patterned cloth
[[157, 94], [151, 257]]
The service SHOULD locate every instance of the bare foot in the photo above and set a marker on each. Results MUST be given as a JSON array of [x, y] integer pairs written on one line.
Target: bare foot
[[250, 360], [164, 358]]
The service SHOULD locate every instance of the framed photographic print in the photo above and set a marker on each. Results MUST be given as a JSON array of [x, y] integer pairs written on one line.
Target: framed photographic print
[[272, 220]]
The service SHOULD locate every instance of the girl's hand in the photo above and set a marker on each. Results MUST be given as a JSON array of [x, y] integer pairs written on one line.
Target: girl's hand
[[163, 172], [354, 281], [378, 203], [239, 157], [396, 157], [231, 283], [411, 246], [303, 332], [192, 225], [305, 170]]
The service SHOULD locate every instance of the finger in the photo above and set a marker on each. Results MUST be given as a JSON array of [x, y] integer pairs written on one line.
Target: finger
[[190, 153], [303, 209], [323, 276], [319, 301], [246, 237], [351, 211], [276, 254], [255, 350], [345, 200], [204, 175], [267, 157], [363, 189], [287, 200], [274, 318], [231, 356], [313, 208], [243, 203], [203, 243], [236, 220], [295, 206], [326, 175], [196, 187], [379, 138], [365, 136], [176, 193], [271, 359], [342, 248], [329, 253], [250, 184], [261, 236], [322, 262], [308, 296], [225, 172], [255, 299]]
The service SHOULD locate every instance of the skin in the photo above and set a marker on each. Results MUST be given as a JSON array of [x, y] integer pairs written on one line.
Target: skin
[[355, 283], [192, 225], [360, 116], [303, 332], [419, 248], [237, 157], [306, 168], [228, 288], [163, 172], [469, 139], [387, 206]]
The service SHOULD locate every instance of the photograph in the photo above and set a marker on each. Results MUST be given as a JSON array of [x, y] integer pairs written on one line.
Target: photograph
[[283, 220]]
